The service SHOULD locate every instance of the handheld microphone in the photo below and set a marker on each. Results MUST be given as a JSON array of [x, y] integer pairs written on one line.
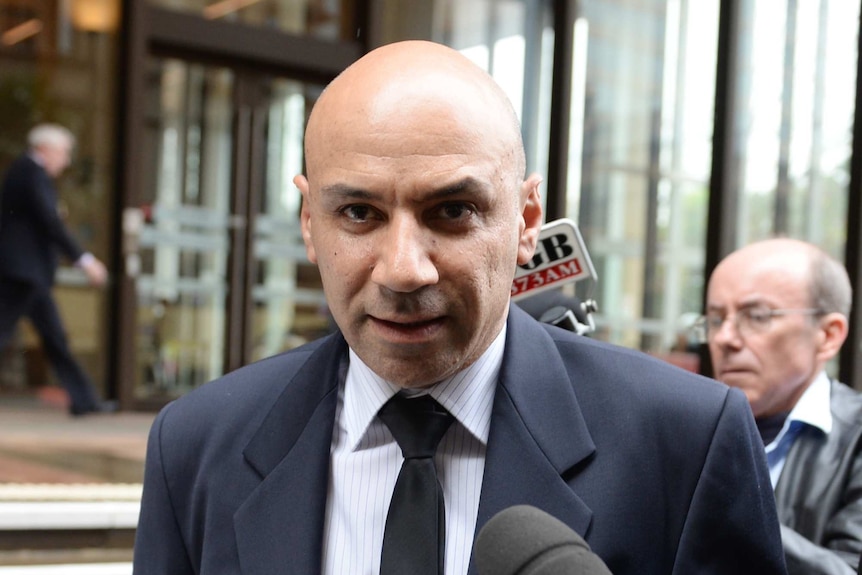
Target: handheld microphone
[[524, 540]]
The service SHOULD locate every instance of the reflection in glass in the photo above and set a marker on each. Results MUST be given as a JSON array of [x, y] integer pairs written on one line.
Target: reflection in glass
[[184, 246], [797, 62], [639, 166], [319, 18], [58, 65], [289, 307], [512, 39]]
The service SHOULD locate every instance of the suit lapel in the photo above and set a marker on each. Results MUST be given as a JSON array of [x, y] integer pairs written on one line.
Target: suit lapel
[[537, 436], [281, 523], [537, 431]]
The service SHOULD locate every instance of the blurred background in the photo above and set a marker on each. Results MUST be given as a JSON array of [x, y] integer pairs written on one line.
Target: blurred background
[[670, 131]]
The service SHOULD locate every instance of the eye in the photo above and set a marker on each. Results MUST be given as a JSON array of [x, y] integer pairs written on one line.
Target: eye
[[757, 315], [714, 321], [357, 213], [455, 211]]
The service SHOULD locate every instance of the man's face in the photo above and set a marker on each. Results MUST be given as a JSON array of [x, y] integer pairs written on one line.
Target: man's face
[[417, 234], [55, 157], [773, 366]]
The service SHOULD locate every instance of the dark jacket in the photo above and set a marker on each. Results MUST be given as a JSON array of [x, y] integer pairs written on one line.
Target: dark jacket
[[662, 471], [819, 493], [32, 235]]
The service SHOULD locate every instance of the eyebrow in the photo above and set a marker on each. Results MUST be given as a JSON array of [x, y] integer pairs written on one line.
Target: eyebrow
[[467, 185], [345, 191], [743, 305]]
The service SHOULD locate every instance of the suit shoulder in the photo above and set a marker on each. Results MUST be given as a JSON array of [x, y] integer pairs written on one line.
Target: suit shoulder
[[629, 364], [22, 169], [846, 404], [605, 375]]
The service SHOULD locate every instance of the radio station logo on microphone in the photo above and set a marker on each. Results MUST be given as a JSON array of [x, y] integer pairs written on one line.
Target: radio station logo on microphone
[[560, 258]]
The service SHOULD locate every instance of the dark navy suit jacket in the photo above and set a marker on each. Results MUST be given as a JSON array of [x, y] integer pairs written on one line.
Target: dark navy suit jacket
[[31, 231], [661, 471]]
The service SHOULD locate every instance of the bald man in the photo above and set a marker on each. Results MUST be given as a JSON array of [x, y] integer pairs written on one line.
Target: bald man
[[417, 211], [776, 314]]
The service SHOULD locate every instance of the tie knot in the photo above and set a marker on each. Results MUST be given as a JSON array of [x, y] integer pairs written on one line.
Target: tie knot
[[418, 424]]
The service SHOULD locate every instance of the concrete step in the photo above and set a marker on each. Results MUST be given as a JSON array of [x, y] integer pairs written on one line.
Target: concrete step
[[121, 568], [69, 529]]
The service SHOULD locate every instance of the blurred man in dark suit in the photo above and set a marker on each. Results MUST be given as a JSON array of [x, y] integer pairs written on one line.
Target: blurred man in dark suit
[[32, 235]]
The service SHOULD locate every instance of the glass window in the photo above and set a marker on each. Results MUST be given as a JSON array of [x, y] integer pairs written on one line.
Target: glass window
[[795, 98], [289, 304], [58, 63], [511, 39], [327, 19], [221, 225], [182, 281], [643, 84]]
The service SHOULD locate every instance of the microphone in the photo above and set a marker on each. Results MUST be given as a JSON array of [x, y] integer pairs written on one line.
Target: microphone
[[524, 540]]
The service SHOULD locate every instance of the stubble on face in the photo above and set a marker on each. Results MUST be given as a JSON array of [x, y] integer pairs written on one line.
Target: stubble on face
[[398, 139]]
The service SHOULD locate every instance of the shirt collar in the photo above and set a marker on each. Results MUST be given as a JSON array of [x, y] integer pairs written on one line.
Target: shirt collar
[[813, 407], [468, 395]]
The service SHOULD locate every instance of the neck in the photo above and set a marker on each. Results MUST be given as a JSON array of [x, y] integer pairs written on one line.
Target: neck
[[770, 425]]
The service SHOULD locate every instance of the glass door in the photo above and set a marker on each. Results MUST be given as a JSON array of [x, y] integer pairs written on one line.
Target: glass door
[[213, 246], [288, 307]]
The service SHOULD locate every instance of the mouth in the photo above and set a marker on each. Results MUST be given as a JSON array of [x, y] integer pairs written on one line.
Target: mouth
[[408, 331], [732, 372]]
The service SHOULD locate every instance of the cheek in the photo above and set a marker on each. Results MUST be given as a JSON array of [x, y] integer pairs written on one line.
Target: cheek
[[786, 357], [492, 268], [343, 264]]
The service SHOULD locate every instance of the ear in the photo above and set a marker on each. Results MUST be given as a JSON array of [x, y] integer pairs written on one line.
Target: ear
[[531, 218], [833, 332], [301, 182]]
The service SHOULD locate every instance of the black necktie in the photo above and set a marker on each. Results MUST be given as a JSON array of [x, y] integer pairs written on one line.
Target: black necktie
[[414, 538]]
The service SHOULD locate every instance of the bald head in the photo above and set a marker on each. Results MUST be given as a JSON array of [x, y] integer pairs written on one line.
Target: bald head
[[824, 280], [416, 209], [415, 87], [777, 313]]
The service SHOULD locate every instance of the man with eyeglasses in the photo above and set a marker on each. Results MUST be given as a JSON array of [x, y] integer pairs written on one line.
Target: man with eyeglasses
[[776, 314]]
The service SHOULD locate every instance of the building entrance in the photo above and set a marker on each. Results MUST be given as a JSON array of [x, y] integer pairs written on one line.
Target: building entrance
[[211, 244]]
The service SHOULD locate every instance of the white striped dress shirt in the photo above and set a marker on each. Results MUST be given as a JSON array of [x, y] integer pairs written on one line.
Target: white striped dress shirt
[[365, 461]]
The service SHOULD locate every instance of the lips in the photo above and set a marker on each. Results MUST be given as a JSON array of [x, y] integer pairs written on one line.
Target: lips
[[733, 369], [407, 324], [732, 372], [404, 331]]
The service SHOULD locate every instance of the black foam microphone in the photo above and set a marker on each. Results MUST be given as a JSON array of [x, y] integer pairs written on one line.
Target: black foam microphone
[[524, 540]]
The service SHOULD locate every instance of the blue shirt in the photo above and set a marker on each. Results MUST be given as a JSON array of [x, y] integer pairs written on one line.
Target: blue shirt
[[811, 410]]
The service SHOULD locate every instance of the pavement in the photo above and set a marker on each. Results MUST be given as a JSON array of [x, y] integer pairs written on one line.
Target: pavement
[[64, 474]]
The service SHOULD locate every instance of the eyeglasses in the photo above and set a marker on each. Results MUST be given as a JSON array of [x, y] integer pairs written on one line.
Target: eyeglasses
[[746, 321]]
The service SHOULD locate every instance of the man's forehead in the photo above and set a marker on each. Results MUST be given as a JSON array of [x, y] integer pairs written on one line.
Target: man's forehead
[[767, 278], [438, 143], [414, 76], [412, 98], [391, 103]]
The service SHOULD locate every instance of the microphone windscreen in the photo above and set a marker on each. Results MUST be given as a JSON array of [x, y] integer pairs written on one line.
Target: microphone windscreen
[[524, 540]]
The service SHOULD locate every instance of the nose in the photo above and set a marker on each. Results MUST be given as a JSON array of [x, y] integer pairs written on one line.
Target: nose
[[404, 263], [727, 335]]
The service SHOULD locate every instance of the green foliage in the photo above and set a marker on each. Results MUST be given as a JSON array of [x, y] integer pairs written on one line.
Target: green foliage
[[24, 101]]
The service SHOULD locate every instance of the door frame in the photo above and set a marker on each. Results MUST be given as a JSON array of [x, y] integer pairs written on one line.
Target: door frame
[[154, 31]]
